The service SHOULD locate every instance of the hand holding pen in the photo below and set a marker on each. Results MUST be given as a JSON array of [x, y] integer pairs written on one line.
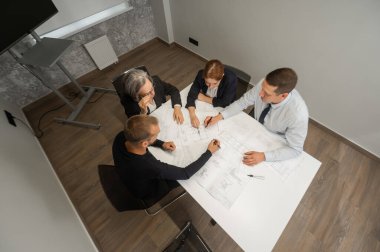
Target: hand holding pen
[[214, 146], [168, 146], [211, 120]]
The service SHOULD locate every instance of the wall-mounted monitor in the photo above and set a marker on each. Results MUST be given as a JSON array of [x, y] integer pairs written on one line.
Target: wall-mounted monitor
[[20, 17]]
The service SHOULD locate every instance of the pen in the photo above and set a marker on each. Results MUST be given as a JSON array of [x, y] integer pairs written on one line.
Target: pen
[[255, 176], [208, 121], [215, 143], [199, 133]]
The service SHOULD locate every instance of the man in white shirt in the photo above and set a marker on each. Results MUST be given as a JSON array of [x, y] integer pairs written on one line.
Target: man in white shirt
[[280, 108]]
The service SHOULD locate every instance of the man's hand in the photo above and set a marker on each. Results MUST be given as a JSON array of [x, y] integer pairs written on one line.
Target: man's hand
[[177, 115], [168, 146], [253, 157], [143, 104], [214, 146], [204, 98], [211, 120]]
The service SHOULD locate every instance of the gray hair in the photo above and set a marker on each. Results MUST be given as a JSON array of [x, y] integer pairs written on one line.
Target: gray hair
[[133, 80]]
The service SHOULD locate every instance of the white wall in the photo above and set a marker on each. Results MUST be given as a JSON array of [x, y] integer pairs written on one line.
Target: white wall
[[70, 11], [35, 213], [159, 19], [333, 45], [162, 20]]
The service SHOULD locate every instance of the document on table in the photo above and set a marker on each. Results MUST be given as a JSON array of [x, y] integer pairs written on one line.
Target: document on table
[[181, 156], [185, 134], [287, 167], [266, 141], [224, 176], [246, 208]]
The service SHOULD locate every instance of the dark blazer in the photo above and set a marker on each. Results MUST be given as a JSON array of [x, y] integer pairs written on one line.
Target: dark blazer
[[161, 89], [146, 177], [226, 91]]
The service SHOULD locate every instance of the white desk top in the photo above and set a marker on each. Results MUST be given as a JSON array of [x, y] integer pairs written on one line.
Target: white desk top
[[259, 210]]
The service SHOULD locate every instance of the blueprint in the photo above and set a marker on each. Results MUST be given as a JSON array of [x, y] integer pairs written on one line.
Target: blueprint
[[287, 167], [223, 176], [185, 134]]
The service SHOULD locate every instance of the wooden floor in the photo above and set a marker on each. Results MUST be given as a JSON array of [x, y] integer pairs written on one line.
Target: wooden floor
[[339, 212]]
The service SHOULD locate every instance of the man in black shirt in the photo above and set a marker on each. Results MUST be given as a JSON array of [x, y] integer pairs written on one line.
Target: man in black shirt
[[146, 177]]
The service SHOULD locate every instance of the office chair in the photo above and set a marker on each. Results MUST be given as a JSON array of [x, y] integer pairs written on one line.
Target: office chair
[[120, 197], [243, 80], [188, 240], [243, 86], [119, 85]]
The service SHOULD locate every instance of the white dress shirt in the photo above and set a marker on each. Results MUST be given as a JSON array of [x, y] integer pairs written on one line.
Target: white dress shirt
[[288, 119], [152, 106], [212, 92]]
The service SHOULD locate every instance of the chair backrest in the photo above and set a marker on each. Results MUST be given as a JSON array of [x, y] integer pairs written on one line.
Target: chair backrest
[[115, 190], [119, 85], [243, 80]]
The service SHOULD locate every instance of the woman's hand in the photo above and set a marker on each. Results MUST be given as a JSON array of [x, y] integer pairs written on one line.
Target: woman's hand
[[177, 114], [194, 121], [193, 117], [143, 104], [204, 98]]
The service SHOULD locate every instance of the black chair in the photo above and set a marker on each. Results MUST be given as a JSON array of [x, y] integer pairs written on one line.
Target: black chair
[[118, 84], [120, 197], [188, 240], [243, 80]]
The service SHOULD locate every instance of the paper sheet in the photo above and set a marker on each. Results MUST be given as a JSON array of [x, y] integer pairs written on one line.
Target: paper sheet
[[287, 167], [185, 134], [224, 176]]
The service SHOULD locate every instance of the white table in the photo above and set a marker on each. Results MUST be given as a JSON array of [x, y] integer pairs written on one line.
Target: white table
[[259, 213]]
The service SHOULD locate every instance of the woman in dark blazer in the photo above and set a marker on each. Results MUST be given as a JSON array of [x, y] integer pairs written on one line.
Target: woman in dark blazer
[[215, 85], [143, 94]]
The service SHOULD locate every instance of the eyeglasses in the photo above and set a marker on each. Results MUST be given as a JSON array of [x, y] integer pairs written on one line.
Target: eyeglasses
[[151, 92]]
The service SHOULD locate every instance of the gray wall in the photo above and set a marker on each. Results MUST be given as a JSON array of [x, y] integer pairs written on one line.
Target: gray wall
[[125, 32], [160, 21], [35, 213], [333, 46]]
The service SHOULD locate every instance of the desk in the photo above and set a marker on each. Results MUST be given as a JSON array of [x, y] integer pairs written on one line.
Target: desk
[[260, 210]]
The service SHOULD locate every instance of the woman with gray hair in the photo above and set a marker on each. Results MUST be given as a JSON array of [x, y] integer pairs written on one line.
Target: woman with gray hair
[[143, 94]]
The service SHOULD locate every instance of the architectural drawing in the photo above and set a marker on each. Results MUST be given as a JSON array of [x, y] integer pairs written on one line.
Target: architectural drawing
[[223, 176]]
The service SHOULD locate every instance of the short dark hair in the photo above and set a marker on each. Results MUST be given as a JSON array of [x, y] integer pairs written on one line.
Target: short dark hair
[[137, 127], [285, 79]]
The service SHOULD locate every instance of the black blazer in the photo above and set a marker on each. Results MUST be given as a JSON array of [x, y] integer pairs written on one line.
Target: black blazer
[[161, 89], [226, 91]]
